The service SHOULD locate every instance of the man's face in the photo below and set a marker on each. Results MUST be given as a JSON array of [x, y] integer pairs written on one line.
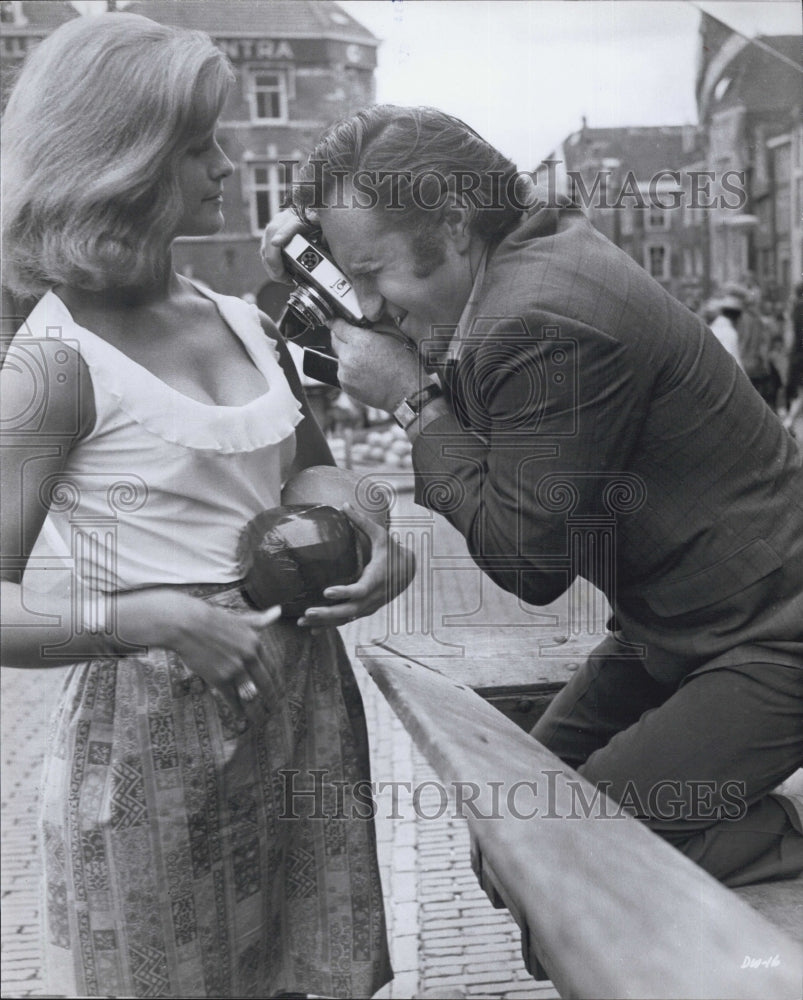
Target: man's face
[[381, 263]]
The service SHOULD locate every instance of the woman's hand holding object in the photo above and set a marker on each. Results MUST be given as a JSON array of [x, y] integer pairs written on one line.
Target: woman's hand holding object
[[220, 646]]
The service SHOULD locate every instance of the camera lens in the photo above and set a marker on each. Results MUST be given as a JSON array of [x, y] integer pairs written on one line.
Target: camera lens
[[309, 305]]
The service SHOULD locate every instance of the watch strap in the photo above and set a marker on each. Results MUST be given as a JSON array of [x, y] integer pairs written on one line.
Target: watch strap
[[409, 408], [436, 408]]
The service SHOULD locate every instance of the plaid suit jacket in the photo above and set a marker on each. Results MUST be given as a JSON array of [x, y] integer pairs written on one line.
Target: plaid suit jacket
[[598, 428]]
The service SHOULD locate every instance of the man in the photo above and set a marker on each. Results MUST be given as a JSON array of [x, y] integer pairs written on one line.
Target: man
[[551, 382], [723, 325], [741, 307], [794, 377]]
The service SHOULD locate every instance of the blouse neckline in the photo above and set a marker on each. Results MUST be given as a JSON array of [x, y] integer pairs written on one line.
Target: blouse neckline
[[170, 414], [165, 386]]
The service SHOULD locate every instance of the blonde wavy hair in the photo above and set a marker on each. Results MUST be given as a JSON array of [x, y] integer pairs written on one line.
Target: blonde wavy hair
[[98, 120]]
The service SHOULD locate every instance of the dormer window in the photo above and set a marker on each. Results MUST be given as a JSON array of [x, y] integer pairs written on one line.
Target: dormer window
[[721, 88], [11, 13]]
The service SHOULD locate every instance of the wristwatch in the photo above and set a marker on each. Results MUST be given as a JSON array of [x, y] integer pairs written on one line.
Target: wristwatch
[[409, 408]]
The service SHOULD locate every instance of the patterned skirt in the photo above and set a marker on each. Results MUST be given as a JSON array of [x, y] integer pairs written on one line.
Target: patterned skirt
[[189, 852]]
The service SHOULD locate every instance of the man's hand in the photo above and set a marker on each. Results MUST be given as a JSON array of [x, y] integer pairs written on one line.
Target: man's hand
[[278, 233], [374, 368]]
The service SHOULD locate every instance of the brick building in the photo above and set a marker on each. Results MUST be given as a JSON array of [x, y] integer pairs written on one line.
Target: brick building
[[750, 105], [24, 23], [634, 184], [300, 64], [701, 206]]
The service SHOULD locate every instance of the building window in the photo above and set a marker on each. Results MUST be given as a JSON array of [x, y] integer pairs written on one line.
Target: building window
[[267, 192], [657, 218], [11, 12], [782, 177], [783, 209], [763, 210], [782, 162], [784, 274], [627, 220], [268, 95], [656, 261], [766, 265]]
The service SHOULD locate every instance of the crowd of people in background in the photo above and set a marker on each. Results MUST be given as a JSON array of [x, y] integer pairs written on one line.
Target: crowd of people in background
[[766, 338]]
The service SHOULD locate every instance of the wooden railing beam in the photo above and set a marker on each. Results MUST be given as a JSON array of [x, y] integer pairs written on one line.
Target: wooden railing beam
[[610, 908]]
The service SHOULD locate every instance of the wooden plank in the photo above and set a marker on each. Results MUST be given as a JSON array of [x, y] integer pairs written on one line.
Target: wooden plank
[[613, 910], [495, 658], [780, 902], [494, 889]]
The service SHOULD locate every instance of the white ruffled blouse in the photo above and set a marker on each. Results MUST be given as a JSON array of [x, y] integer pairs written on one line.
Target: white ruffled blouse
[[162, 486]]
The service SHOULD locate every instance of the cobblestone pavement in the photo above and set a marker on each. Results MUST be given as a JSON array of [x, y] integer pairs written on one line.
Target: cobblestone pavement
[[446, 938]]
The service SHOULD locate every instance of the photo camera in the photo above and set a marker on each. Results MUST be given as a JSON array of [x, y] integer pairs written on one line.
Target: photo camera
[[322, 293]]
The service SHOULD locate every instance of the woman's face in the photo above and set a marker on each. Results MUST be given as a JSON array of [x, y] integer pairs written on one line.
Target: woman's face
[[202, 170]]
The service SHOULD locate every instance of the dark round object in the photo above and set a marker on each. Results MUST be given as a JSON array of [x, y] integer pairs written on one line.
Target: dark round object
[[289, 555]]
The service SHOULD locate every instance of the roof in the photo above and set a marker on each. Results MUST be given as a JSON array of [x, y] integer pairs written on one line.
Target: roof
[[759, 81], [258, 18], [643, 149], [753, 78], [42, 16]]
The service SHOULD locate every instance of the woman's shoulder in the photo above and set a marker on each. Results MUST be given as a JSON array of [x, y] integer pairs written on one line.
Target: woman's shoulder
[[242, 314], [45, 339], [46, 384]]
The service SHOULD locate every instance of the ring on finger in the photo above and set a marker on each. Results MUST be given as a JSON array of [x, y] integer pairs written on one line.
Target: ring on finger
[[247, 690]]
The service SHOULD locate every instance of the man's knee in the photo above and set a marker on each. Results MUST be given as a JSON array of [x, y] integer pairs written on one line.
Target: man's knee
[[761, 845]]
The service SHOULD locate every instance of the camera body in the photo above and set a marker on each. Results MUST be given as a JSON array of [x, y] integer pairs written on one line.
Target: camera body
[[322, 291]]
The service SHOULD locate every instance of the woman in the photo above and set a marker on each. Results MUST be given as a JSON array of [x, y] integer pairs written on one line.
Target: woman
[[149, 420]]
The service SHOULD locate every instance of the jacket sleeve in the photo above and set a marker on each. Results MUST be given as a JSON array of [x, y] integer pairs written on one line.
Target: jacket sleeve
[[539, 438]]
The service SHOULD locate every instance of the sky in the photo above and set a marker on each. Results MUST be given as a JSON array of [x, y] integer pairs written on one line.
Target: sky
[[523, 73]]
